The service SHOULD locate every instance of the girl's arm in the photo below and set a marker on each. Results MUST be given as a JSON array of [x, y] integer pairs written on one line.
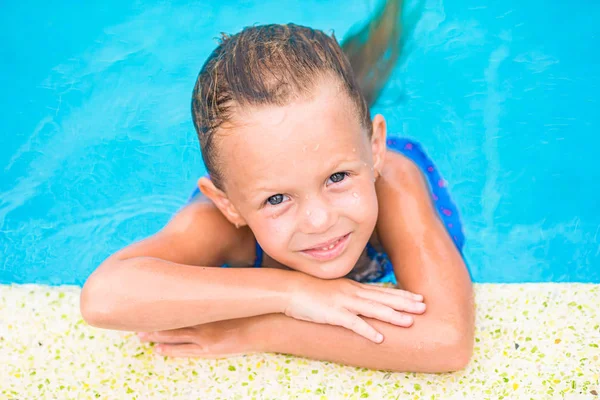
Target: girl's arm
[[162, 283], [425, 261], [424, 257]]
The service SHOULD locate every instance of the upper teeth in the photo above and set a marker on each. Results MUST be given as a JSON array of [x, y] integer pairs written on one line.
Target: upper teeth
[[331, 246]]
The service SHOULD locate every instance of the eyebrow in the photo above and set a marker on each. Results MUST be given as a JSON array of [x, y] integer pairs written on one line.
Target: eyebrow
[[342, 161], [332, 166], [337, 164]]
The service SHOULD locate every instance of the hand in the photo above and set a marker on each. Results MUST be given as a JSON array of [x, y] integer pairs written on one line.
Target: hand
[[213, 340], [341, 301]]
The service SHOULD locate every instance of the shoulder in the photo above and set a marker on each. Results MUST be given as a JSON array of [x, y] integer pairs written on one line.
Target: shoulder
[[407, 217], [403, 194], [198, 234], [204, 223], [196, 217], [401, 172]]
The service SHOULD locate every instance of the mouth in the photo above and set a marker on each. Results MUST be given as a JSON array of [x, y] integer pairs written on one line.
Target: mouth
[[328, 250]]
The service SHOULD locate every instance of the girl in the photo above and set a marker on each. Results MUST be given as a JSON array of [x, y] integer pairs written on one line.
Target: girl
[[304, 189]]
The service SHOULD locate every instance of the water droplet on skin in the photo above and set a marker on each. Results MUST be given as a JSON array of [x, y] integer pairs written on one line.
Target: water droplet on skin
[[355, 195], [307, 213], [354, 150], [316, 147]]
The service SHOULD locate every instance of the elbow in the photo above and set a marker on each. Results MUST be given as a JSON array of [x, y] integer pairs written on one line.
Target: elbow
[[458, 351], [443, 353], [456, 338], [450, 351], [94, 305], [89, 308], [458, 346]]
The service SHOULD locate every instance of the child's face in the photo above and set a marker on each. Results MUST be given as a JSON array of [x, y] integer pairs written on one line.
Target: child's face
[[302, 177]]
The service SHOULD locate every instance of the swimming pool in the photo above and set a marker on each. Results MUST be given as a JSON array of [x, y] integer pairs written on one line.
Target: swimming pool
[[99, 149]]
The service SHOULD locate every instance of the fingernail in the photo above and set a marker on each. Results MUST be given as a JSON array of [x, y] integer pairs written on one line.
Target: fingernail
[[379, 338], [419, 296], [420, 306]]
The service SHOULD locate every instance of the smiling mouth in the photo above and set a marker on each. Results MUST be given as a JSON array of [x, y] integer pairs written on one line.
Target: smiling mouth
[[329, 250]]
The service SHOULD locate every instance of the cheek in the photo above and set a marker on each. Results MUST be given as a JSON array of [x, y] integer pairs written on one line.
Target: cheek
[[359, 203], [272, 233]]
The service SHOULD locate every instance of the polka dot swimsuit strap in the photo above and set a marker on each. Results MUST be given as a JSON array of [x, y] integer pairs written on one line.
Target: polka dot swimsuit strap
[[439, 193]]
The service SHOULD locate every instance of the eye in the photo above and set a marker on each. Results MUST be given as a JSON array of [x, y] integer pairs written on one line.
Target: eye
[[276, 199], [338, 177]]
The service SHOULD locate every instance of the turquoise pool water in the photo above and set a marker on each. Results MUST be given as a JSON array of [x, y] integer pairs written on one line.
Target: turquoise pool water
[[98, 148]]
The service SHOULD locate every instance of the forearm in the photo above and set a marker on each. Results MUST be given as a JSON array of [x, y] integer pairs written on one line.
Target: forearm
[[438, 272], [424, 256], [150, 294], [440, 340], [427, 346]]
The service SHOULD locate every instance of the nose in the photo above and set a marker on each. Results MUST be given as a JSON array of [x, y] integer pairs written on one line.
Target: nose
[[318, 216]]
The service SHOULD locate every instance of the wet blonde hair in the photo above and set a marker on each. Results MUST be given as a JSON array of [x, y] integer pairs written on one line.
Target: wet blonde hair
[[266, 65]]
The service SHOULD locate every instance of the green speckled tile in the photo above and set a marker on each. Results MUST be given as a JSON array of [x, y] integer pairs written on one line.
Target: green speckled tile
[[535, 341]]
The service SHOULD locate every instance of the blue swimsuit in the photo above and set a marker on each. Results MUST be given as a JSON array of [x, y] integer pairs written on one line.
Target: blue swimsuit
[[376, 266]]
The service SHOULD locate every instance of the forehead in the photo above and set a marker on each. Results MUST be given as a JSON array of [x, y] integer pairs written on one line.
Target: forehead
[[269, 144]]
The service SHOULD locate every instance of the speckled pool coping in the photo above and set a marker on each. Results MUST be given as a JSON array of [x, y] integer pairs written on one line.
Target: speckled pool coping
[[535, 341]]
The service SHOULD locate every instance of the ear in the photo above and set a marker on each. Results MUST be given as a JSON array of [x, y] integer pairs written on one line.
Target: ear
[[220, 199], [378, 146]]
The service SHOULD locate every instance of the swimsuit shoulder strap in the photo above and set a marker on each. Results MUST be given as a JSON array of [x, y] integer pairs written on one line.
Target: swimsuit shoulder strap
[[259, 255]]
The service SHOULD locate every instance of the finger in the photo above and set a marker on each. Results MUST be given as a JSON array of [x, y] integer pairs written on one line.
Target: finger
[[358, 325], [192, 350], [179, 350], [394, 291], [383, 313], [183, 335], [396, 302]]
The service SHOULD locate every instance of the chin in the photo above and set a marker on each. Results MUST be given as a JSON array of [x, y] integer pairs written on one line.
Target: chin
[[335, 269]]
